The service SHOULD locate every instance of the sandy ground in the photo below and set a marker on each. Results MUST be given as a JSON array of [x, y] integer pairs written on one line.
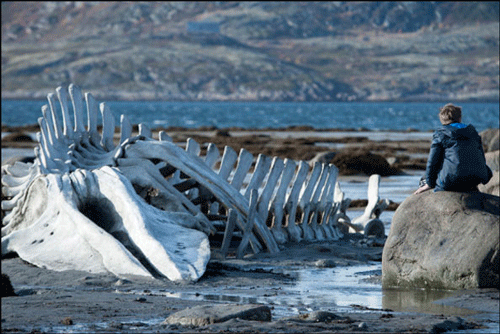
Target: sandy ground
[[79, 302]]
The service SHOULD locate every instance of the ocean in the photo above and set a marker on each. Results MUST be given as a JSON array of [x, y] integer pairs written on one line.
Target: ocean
[[376, 116]]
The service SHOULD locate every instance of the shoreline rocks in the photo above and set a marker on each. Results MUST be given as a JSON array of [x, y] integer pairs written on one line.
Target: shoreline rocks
[[207, 315], [444, 240]]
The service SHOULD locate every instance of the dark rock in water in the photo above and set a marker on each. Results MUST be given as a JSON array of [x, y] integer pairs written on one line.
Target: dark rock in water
[[23, 159], [323, 157], [363, 162], [210, 314], [7, 289], [18, 137], [444, 240], [450, 325], [374, 227], [320, 316], [222, 133]]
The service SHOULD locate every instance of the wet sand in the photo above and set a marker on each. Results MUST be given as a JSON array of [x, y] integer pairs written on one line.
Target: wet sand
[[80, 302], [342, 277]]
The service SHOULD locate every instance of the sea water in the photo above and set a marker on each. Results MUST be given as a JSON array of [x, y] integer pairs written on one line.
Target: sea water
[[377, 116]]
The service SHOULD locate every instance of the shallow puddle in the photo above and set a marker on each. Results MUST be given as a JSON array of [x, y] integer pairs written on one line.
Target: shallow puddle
[[341, 289]]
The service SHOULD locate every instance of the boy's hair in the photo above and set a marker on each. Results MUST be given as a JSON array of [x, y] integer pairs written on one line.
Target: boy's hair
[[450, 114]]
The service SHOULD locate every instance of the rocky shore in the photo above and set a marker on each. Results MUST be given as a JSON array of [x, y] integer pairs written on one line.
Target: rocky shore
[[260, 293], [73, 301]]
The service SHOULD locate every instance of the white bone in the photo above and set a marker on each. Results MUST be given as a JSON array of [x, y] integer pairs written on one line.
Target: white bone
[[145, 131], [108, 128], [92, 112], [278, 203], [212, 155], [252, 213], [164, 232], [54, 121], [272, 180], [294, 231], [77, 100], [245, 160], [327, 205], [359, 223], [198, 170], [163, 136], [260, 171], [314, 207], [63, 100], [305, 201], [228, 160]]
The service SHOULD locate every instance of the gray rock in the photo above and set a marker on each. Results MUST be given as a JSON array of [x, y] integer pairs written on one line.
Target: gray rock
[[363, 326], [490, 139], [325, 263], [363, 161], [444, 240], [323, 157], [492, 160], [449, 325], [317, 316], [392, 160], [210, 314], [493, 186], [374, 227], [494, 143]]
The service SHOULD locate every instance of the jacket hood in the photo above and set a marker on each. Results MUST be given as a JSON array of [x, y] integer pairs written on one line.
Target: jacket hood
[[465, 133]]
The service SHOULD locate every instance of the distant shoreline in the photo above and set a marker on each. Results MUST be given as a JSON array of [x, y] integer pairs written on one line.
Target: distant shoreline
[[113, 98], [292, 128]]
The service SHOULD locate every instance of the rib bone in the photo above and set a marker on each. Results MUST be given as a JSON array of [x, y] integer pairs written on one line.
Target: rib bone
[[140, 206]]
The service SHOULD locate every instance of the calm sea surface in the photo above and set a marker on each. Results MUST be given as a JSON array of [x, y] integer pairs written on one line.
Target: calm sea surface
[[258, 115]]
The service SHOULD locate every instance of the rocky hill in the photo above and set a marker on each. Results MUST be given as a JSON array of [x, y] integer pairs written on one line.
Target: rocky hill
[[265, 51]]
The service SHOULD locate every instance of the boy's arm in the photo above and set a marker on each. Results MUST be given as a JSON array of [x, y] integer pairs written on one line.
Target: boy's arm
[[435, 161]]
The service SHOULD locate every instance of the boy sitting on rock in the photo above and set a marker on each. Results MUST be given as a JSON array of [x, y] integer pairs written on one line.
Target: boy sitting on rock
[[456, 159]]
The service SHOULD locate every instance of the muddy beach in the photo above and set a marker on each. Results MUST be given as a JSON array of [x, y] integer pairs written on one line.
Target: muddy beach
[[340, 279]]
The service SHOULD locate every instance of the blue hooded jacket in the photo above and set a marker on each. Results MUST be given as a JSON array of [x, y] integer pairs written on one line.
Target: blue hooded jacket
[[456, 159]]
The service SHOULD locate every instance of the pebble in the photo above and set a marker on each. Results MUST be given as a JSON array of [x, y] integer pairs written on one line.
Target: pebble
[[325, 263]]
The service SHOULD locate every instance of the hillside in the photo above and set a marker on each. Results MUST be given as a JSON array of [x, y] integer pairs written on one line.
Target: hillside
[[266, 51]]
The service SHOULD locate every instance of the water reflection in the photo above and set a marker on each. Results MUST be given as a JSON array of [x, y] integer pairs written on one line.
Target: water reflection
[[232, 299], [342, 289], [420, 300]]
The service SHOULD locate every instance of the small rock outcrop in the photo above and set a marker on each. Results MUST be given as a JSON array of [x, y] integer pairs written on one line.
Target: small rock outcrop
[[210, 314], [492, 159], [353, 162], [493, 186], [490, 139], [444, 240]]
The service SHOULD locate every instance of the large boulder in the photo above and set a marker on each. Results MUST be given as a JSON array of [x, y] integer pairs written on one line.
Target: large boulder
[[491, 139], [493, 160], [443, 240], [493, 186]]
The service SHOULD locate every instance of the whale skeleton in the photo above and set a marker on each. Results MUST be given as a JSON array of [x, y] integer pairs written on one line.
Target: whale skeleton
[[149, 207]]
